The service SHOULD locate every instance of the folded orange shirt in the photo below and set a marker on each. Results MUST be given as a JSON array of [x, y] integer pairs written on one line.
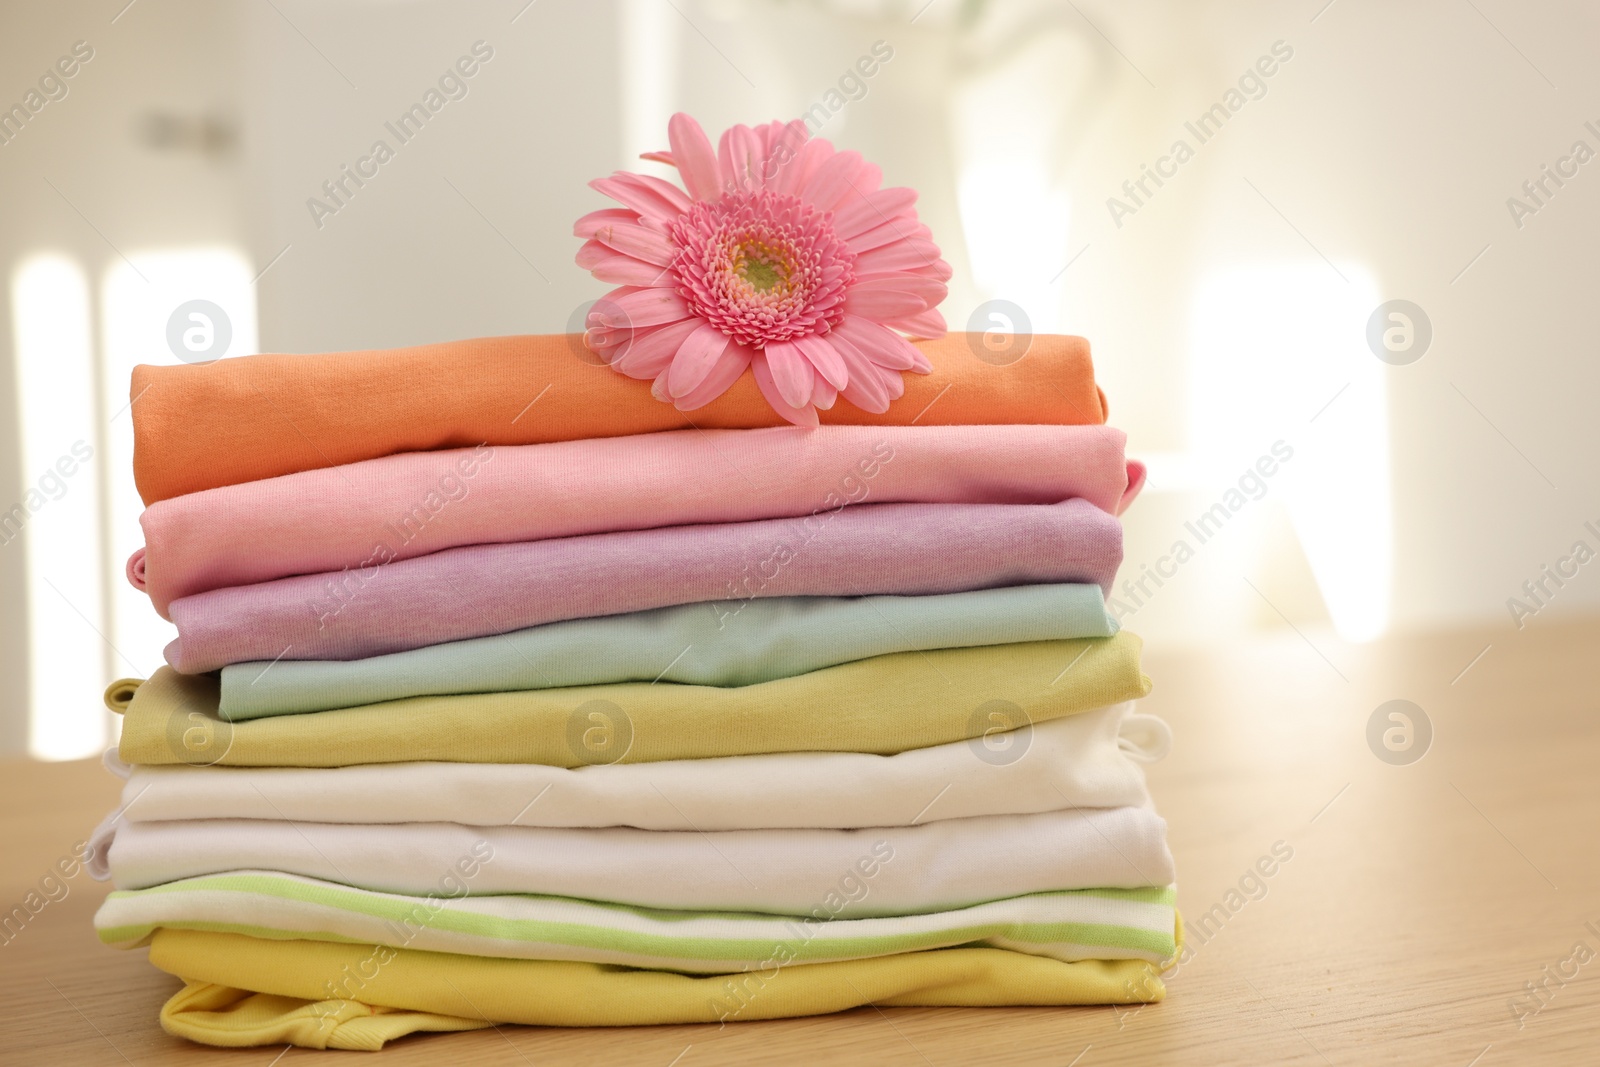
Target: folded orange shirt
[[238, 420]]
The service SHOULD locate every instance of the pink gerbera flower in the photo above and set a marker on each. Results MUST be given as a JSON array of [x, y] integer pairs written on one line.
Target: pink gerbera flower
[[784, 257]]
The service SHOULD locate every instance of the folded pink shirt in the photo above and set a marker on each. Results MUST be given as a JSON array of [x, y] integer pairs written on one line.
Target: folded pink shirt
[[412, 504], [477, 590]]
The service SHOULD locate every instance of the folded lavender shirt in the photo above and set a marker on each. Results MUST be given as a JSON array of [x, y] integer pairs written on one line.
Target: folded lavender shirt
[[859, 550]]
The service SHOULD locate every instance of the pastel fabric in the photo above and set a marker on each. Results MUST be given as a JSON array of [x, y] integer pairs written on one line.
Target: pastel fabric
[[883, 705], [1090, 760], [404, 506], [896, 870], [1100, 924], [246, 991], [694, 644], [862, 550], [253, 417]]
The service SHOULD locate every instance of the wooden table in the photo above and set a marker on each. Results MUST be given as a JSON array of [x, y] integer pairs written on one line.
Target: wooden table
[[1418, 901]]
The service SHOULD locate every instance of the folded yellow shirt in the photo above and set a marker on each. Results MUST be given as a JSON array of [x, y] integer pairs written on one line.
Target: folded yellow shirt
[[246, 991], [883, 705]]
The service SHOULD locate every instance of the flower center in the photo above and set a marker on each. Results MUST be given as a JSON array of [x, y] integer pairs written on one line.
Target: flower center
[[762, 267]]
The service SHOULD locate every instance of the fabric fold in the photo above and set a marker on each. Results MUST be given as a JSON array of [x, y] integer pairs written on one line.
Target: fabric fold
[[198, 427], [1100, 924], [246, 991], [1089, 760], [877, 871], [403, 506], [883, 705], [861, 550], [695, 644]]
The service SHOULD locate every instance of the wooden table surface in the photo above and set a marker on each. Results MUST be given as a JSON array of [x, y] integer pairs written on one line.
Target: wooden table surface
[[1419, 901]]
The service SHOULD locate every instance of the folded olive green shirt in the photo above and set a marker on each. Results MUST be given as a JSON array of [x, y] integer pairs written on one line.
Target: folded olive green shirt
[[883, 705]]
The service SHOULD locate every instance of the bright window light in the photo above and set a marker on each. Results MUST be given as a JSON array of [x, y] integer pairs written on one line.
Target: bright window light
[[57, 521], [1280, 352], [1015, 227], [137, 308], [649, 44]]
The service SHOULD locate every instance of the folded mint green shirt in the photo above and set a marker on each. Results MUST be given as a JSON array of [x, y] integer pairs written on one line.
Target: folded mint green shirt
[[721, 643]]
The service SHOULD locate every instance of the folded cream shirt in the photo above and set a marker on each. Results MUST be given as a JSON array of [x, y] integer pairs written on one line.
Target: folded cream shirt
[[913, 869], [1089, 760]]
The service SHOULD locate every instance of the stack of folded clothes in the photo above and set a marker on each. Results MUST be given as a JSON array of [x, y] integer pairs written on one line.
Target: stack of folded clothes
[[505, 692]]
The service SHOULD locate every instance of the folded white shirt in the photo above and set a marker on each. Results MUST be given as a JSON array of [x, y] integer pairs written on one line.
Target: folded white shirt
[[930, 867], [1090, 760]]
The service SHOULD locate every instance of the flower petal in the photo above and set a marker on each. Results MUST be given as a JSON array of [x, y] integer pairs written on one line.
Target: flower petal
[[860, 214], [631, 308], [591, 223], [604, 314], [929, 324], [782, 150], [893, 381], [618, 269], [739, 158], [670, 193], [697, 163], [729, 366], [605, 343], [899, 255], [793, 175], [866, 389], [696, 356], [803, 416], [634, 240], [649, 353], [879, 344], [625, 270], [832, 181], [592, 253], [765, 133], [634, 191], [929, 289], [902, 228], [825, 358], [791, 372], [883, 305], [824, 395], [861, 185]]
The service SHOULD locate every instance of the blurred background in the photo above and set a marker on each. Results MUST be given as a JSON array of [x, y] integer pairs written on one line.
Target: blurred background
[[1349, 242]]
